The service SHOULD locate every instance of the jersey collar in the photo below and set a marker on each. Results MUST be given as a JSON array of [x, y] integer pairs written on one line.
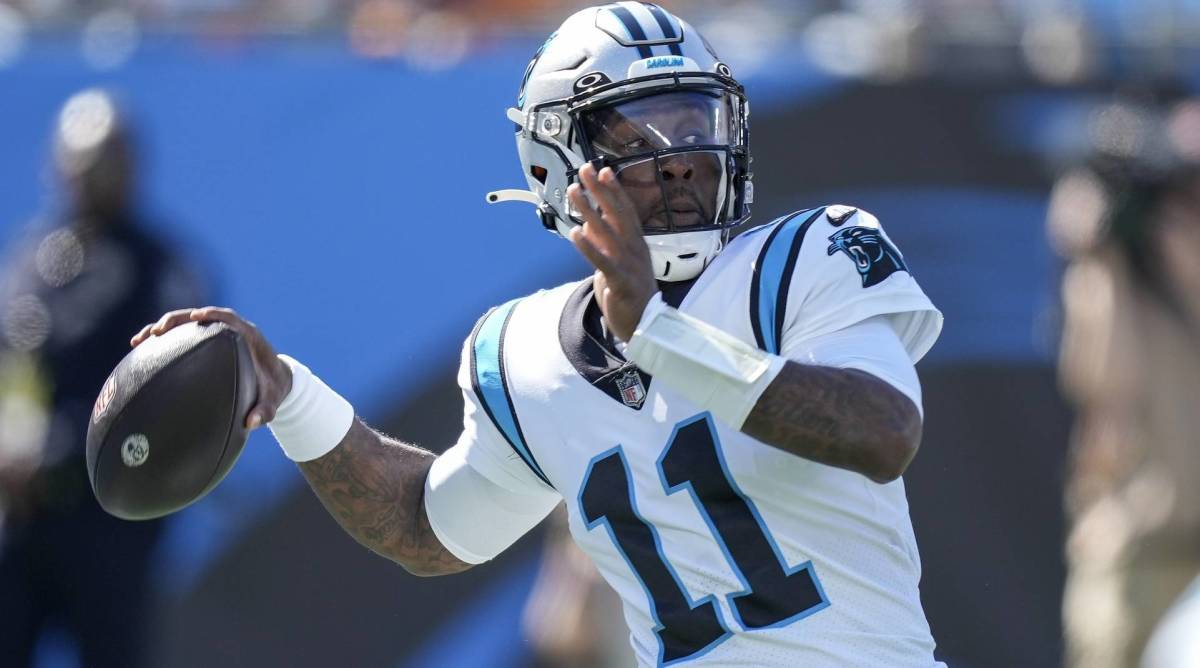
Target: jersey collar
[[592, 351]]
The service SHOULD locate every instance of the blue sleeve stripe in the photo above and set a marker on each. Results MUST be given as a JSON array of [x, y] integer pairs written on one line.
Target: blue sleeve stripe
[[772, 278], [490, 382]]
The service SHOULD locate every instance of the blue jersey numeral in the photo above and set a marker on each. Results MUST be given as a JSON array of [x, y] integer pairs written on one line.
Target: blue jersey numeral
[[774, 594]]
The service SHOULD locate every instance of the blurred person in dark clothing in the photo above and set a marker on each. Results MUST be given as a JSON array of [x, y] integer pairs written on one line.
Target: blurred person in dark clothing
[[70, 292], [572, 618], [1129, 224]]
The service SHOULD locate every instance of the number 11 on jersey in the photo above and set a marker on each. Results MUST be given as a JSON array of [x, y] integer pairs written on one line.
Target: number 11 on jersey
[[773, 593]]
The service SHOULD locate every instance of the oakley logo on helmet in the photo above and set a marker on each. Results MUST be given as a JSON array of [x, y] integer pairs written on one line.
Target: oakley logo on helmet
[[591, 80]]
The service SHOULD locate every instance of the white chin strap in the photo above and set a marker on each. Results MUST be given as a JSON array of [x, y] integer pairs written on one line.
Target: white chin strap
[[682, 256]]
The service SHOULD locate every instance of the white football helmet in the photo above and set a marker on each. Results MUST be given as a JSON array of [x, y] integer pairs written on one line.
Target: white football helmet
[[631, 86]]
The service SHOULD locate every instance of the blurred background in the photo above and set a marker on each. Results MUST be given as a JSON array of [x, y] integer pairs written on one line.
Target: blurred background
[[320, 166]]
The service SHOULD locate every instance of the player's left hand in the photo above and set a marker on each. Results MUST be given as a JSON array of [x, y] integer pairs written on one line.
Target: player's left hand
[[611, 239]]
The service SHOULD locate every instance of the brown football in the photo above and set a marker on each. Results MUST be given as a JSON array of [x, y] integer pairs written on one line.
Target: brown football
[[169, 422]]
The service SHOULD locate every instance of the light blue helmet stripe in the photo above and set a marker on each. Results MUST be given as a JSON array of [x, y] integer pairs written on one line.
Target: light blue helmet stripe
[[487, 368]]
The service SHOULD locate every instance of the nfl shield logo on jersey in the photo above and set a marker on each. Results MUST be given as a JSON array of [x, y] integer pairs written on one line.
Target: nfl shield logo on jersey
[[633, 393]]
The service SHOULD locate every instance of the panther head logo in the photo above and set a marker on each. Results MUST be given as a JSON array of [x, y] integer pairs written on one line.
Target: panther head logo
[[873, 255]]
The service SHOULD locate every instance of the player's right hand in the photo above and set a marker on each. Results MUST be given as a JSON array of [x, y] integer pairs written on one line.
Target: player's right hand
[[274, 377]]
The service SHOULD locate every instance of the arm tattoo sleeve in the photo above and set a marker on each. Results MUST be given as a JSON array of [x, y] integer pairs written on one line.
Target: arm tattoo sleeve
[[840, 417], [375, 488]]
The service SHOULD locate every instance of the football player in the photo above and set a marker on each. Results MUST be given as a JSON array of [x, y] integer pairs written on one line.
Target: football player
[[726, 420]]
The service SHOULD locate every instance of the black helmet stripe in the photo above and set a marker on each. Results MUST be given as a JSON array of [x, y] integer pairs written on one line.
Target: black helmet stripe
[[635, 29], [664, 22]]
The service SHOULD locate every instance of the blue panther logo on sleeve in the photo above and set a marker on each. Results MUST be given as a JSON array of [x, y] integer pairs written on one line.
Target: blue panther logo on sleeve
[[873, 255]]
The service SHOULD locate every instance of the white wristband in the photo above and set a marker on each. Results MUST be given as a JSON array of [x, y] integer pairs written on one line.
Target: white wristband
[[312, 419], [708, 366]]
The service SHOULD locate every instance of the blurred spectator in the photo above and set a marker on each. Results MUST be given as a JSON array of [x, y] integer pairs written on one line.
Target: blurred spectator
[[1129, 224], [573, 618], [71, 295]]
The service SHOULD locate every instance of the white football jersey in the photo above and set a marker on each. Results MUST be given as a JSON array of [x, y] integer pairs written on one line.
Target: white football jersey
[[724, 550]]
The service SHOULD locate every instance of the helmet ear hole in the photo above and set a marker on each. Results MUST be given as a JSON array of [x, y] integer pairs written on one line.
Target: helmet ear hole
[[538, 172]]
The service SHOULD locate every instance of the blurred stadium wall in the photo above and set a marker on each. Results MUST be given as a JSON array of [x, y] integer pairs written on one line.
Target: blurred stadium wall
[[333, 184]]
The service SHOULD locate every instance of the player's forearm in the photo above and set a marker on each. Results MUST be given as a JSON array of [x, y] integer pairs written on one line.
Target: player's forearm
[[374, 487], [840, 417]]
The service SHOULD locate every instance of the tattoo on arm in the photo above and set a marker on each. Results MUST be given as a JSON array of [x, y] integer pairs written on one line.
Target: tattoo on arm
[[375, 488], [840, 417]]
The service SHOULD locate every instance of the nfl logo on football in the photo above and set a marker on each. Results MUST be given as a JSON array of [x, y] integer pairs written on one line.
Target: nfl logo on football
[[106, 396]]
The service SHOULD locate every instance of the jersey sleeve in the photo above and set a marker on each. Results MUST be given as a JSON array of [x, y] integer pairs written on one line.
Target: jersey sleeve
[[822, 270], [483, 494], [870, 345]]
